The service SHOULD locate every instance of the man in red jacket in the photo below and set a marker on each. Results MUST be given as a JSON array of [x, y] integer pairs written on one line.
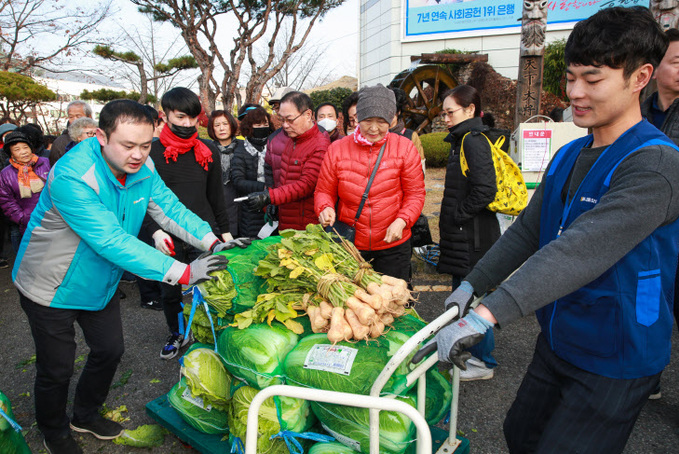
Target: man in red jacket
[[294, 155]]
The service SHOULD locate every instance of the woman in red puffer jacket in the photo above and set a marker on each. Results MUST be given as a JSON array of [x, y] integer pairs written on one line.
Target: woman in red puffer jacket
[[396, 197]]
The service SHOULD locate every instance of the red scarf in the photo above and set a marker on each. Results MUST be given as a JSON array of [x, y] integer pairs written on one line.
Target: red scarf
[[175, 146]]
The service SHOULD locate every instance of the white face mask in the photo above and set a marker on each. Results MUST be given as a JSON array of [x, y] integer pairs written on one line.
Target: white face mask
[[328, 124]]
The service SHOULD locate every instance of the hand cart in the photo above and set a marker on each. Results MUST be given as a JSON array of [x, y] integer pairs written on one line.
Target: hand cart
[[376, 403]]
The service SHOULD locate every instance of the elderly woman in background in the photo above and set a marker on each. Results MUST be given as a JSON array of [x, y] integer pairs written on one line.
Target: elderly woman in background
[[81, 129], [21, 182], [248, 169], [396, 196], [222, 129]]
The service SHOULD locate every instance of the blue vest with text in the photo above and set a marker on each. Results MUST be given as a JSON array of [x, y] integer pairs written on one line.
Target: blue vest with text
[[620, 324]]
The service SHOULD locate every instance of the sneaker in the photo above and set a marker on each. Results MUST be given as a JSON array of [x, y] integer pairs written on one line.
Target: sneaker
[[100, 427], [66, 445], [155, 305], [656, 394], [4, 263], [476, 370], [174, 342]]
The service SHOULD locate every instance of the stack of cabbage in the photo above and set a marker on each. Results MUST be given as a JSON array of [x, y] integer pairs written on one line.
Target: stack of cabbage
[[353, 367], [255, 355], [203, 395]]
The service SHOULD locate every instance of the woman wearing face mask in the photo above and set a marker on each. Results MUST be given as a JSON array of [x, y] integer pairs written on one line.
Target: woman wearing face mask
[[468, 228], [222, 129], [247, 167], [21, 182], [396, 196], [326, 117]]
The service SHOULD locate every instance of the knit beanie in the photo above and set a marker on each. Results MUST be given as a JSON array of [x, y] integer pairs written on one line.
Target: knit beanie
[[7, 127], [377, 101]]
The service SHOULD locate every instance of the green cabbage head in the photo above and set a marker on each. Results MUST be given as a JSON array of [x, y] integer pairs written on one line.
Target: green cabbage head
[[295, 413], [207, 377]]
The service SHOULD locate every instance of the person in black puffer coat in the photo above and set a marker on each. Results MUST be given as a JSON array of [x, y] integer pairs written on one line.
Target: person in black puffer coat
[[247, 167], [468, 229]]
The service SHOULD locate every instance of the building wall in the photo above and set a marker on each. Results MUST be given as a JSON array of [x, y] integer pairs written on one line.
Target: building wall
[[383, 54]]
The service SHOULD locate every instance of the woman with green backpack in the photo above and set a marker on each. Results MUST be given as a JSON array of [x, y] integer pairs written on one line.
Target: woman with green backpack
[[468, 228]]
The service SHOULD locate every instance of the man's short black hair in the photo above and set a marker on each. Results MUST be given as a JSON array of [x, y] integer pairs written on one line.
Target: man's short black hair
[[182, 100], [302, 101], [123, 111], [323, 105], [154, 114], [672, 34], [618, 37]]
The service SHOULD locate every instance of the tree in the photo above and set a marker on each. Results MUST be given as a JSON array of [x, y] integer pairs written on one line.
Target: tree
[[255, 19], [61, 29], [105, 95], [20, 94], [554, 77], [334, 96], [301, 70], [160, 70]]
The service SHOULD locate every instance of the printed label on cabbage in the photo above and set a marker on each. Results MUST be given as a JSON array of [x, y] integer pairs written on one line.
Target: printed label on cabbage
[[197, 401], [331, 358], [346, 441]]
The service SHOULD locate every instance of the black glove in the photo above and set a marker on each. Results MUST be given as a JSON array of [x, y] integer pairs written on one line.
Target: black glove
[[271, 214], [461, 297], [204, 265], [453, 340], [240, 242], [258, 200]]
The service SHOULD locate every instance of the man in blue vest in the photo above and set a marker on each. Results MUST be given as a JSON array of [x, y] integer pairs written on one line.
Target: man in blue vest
[[594, 255]]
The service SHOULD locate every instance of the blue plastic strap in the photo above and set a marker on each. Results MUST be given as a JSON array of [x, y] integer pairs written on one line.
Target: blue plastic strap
[[237, 446], [194, 304], [294, 446], [11, 422]]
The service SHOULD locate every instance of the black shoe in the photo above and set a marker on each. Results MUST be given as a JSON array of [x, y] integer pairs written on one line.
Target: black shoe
[[65, 445], [155, 305], [100, 427], [174, 342], [4, 263], [122, 295], [656, 394]]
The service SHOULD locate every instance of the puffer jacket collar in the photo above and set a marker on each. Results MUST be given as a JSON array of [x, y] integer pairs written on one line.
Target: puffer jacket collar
[[458, 131], [311, 133]]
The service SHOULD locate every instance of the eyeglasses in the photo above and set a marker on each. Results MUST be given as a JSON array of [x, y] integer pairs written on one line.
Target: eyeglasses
[[450, 114], [90, 133], [291, 120]]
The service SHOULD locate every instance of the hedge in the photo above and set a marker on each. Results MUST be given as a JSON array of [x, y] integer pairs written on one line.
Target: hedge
[[435, 149]]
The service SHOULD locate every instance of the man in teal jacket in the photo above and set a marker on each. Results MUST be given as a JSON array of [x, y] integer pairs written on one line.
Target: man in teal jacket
[[81, 236]]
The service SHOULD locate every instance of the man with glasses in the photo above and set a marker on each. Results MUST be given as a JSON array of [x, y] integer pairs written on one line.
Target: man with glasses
[[294, 156]]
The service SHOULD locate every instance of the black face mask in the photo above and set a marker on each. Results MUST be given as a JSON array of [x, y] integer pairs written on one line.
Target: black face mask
[[258, 141], [183, 132], [261, 133]]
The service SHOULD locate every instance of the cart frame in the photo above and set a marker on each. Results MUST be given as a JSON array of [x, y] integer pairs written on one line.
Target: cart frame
[[374, 402]]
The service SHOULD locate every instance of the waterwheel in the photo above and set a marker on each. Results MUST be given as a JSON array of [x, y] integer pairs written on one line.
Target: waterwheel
[[424, 85]]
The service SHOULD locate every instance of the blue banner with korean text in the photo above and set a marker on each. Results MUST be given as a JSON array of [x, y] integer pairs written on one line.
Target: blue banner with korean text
[[428, 17]]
